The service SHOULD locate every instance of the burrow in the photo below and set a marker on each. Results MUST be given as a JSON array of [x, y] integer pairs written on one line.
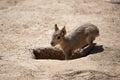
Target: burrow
[[57, 53]]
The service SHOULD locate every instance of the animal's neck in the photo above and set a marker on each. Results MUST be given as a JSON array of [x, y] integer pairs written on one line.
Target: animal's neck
[[64, 43]]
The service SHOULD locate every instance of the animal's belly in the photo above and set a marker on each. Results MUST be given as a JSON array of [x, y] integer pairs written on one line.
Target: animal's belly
[[80, 44]]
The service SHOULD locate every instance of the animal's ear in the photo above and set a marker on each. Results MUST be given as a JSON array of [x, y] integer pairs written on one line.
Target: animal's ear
[[63, 31], [56, 28]]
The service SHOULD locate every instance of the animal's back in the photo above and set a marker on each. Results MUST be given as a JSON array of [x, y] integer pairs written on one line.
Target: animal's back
[[86, 29], [78, 37]]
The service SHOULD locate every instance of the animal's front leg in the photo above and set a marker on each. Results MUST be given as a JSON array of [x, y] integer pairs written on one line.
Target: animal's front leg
[[68, 55]]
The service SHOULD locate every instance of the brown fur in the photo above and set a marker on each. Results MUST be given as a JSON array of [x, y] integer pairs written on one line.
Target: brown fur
[[82, 36]]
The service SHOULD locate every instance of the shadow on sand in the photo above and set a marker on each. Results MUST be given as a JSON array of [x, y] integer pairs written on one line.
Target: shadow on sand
[[96, 49]]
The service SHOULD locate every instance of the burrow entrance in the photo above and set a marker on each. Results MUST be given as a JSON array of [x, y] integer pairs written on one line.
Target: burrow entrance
[[51, 53], [56, 53]]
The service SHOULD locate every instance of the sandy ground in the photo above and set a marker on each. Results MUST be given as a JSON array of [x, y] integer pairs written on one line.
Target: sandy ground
[[28, 24]]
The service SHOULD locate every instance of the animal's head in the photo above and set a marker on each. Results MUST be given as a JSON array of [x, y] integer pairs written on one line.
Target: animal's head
[[58, 35]]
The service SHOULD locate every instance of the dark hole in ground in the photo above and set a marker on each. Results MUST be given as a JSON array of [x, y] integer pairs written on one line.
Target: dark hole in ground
[[48, 53], [56, 53]]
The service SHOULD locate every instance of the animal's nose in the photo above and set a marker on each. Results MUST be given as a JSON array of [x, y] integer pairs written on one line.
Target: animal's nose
[[52, 43]]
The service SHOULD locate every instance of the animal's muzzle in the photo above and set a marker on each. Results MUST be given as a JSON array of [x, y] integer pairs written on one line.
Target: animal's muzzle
[[52, 44]]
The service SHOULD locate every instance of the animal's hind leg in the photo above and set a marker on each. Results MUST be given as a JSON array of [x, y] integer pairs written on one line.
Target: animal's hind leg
[[90, 40], [85, 46], [90, 45]]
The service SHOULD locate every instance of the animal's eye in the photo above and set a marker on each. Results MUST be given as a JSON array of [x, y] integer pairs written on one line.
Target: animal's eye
[[58, 37]]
